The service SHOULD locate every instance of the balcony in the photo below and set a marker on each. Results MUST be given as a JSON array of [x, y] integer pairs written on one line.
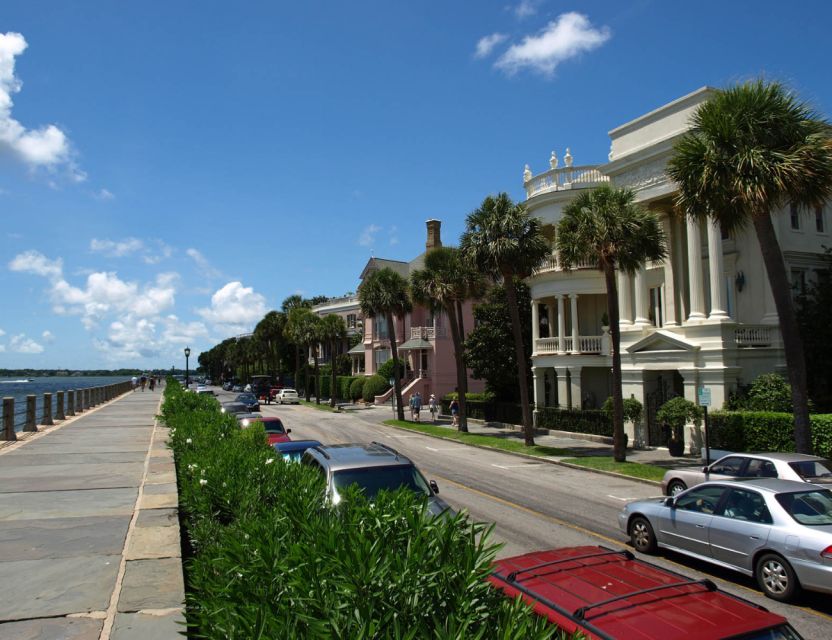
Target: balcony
[[757, 336], [565, 178], [425, 333], [552, 263], [598, 345]]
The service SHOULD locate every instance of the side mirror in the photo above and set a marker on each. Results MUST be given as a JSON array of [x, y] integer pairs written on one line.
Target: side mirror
[[706, 469], [434, 486], [288, 431], [670, 501]]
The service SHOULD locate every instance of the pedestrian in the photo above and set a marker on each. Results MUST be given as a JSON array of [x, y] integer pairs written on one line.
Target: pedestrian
[[455, 412], [152, 383], [432, 407], [135, 382], [417, 405], [143, 382], [410, 403]]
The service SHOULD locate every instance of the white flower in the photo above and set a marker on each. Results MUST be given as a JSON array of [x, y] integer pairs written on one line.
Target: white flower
[[270, 460], [188, 441], [203, 481]]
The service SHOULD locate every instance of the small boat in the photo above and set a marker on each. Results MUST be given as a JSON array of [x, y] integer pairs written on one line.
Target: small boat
[[15, 381]]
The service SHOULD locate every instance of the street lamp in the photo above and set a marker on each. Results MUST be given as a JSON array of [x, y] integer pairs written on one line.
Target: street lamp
[[187, 373]]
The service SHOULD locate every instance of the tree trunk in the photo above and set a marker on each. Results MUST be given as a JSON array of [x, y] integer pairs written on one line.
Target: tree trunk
[[397, 382], [297, 366], [317, 375], [792, 342], [619, 445], [461, 374], [332, 348], [520, 354]]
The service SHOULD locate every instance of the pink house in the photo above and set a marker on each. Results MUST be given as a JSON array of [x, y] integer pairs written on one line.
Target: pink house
[[422, 337]]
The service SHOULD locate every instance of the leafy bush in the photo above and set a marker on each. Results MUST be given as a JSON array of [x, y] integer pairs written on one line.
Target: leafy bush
[[271, 561], [343, 384], [766, 431], [632, 409], [486, 396], [386, 370], [770, 392], [593, 421], [676, 413], [357, 388], [375, 386]]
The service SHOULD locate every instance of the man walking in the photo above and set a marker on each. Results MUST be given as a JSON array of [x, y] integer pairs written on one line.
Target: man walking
[[417, 405]]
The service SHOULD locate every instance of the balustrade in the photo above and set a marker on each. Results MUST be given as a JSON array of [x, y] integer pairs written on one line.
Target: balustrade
[[424, 333], [586, 344], [552, 263], [756, 336], [564, 178]]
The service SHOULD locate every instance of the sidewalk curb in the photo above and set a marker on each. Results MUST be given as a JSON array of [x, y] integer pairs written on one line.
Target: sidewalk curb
[[527, 456]]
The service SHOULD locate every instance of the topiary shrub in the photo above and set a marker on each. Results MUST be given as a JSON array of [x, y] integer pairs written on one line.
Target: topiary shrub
[[632, 409], [357, 388], [769, 392], [386, 370], [374, 386]]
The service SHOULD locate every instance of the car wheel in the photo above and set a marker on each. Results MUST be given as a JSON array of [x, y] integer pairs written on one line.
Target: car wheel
[[676, 487], [642, 536], [777, 578]]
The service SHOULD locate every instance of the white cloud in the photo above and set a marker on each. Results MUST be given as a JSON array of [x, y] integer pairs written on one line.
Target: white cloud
[[568, 36], [103, 195], [21, 344], [368, 235], [486, 44], [203, 264], [37, 263], [48, 336], [47, 147], [2, 333], [526, 8], [394, 235], [234, 308], [116, 249]]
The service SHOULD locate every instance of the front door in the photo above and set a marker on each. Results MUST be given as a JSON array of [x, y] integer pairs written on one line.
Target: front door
[[686, 525]]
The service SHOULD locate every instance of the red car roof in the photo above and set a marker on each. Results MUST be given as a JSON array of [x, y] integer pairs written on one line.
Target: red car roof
[[611, 595]]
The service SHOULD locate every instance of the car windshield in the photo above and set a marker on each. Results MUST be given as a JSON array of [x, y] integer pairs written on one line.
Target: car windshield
[[371, 480], [273, 426], [810, 508], [288, 391], [812, 468], [246, 397], [782, 632]]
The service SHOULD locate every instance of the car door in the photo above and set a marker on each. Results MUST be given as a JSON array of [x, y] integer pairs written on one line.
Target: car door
[[740, 527], [727, 468], [685, 525]]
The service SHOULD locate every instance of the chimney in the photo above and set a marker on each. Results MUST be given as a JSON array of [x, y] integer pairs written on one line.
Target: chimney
[[434, 240]]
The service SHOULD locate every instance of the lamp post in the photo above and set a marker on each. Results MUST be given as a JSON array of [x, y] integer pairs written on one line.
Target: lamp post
[[187, 373]]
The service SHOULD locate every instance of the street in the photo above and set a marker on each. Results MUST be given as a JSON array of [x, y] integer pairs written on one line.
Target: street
[[534, 505]]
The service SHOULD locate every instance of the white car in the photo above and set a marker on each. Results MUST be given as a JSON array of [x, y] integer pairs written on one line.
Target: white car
[[287, 396]]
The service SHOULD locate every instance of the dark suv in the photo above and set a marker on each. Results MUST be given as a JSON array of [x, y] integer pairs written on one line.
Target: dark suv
[[373, 467]]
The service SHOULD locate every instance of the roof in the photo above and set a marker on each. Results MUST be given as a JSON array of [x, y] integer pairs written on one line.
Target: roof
[[374, 264], [611, 594], [296, 445], [357, 349], [352, 455], [415, 343], [774, 485]]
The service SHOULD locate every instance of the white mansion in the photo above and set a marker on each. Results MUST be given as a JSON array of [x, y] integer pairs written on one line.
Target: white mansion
[[703, 317]]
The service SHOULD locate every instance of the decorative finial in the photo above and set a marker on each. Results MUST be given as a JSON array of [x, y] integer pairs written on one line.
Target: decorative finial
[[610, 154], [527, 174], [553, 161], [567, 159]]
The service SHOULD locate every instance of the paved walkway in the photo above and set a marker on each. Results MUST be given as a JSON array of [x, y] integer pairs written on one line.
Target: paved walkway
[[89, 533]]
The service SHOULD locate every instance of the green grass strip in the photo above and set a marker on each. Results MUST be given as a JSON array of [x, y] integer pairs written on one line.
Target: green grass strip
[[508, 443], [319, 407], [632, 469]]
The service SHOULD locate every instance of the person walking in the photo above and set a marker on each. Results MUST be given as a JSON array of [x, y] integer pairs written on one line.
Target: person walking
[[432, 407], [135, 382], [455, 412], [417, 405], [152, 383], [410, 404], [143, 382]]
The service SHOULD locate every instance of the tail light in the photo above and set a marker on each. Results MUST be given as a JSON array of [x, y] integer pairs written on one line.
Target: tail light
[[827, 553]]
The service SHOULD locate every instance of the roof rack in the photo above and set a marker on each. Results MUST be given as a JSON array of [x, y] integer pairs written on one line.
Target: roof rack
[[708, 584], [627, 555], [320, 450], [388, 447]]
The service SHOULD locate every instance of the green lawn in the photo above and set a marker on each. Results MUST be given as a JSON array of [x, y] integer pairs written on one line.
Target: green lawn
[[505, 444], [633, 469], [320, 407]]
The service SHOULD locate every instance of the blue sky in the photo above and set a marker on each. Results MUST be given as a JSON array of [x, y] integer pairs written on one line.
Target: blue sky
[[171, 171]]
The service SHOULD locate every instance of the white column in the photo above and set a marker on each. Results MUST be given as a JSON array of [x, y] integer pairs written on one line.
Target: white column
[[642, 297], [561, 325], [625, 302], [573, 305], [697, 293], [550, 316], [575, 387], [716, 270], [538, 373], [563, 388], [535, 324], [669, 286]]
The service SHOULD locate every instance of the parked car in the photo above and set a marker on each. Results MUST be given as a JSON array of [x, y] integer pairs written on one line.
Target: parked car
[[227, 385], [245, 419], [779, 531], [372, 467], [293, 450], [604, 593], [237, 388], [287, 396], [789, 466], [250, 400], [205, 391], [275, 431], [234, 408]]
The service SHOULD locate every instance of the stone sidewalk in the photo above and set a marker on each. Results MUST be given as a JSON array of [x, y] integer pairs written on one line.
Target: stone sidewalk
[[89, 531]]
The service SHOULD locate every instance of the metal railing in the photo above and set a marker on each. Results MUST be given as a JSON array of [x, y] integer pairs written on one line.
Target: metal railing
[[46, 408], [425, 333], [565, 178], [552, 263]]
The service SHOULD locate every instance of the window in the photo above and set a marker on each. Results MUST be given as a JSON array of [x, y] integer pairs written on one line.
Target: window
[[746, 505], [701, 500], [760, 469], [812, 508], [820, 227], [382, 356], [798, 282], [794, 216], [380, 328], [728, 466], [351, 318], [810, 469]]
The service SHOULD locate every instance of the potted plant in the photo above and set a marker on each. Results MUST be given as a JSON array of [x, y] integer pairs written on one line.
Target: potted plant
[[632, 413], [675, 414]]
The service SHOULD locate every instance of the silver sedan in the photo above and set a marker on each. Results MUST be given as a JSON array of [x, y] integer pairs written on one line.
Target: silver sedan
[[788, 466], [778, 531]]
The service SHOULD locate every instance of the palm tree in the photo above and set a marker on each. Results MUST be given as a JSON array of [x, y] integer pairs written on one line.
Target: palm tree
[[384, 293], [302, 331], [269, 331], [334, 331], [752, 149], [503, 241], [294, 302], [443, 285], [606, 227]]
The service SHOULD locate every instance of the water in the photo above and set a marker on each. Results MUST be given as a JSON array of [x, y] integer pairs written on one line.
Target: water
[[20, 387]]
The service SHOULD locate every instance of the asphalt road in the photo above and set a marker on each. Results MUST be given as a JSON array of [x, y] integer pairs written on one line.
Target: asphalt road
[[534, 505]]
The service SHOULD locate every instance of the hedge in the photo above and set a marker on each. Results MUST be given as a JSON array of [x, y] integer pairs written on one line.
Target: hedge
[[343, 384], [488, 410], [765, 431], [374, 386], [357, 388], [594, 421], [270, 559]]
